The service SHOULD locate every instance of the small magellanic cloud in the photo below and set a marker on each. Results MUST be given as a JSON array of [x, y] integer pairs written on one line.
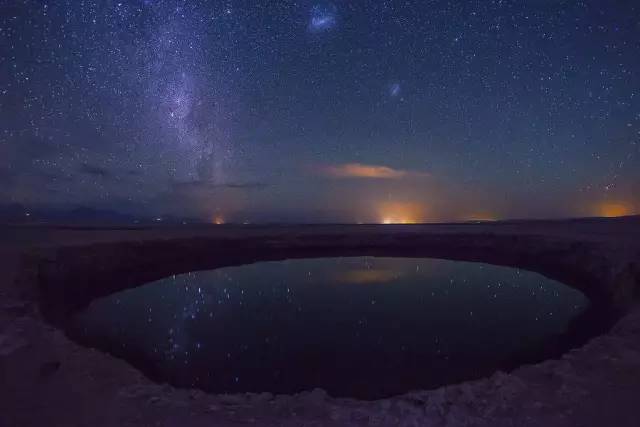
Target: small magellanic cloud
[[359, 170], [323, 17]]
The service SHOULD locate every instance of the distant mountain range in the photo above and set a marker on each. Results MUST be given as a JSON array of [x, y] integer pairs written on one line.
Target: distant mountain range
[[17, 213], [86, 216]]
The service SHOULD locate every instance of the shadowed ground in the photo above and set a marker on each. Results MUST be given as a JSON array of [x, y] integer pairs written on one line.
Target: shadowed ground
[[50, 380]]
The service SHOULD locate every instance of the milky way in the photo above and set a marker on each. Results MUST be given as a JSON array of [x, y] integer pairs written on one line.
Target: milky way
[[235, 108]]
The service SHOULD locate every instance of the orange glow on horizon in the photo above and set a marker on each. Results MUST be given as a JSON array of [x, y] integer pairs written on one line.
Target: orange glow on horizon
[[614, 209], [218, 220], [401, 213], [394, 220]]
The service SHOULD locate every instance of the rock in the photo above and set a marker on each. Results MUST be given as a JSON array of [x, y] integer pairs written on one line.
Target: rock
[[49, 368], [11, 341]]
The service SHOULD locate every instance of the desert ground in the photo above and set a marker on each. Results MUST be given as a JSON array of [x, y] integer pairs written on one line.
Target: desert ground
[[47, 271]]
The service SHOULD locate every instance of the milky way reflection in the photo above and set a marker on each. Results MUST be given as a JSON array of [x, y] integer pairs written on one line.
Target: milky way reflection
[[365, 327]]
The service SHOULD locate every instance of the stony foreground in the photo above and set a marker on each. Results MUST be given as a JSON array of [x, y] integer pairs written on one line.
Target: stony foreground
[[46, 379]]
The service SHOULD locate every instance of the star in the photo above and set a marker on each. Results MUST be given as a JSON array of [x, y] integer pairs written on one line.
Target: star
[[394, 89]]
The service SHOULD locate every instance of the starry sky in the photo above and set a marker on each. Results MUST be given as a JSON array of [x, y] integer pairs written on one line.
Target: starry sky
[[313, 110]]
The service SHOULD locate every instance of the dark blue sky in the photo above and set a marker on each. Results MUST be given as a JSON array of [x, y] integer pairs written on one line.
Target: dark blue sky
[[322, 111]]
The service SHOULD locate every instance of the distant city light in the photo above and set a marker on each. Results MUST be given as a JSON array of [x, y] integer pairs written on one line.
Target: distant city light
[[614, 209], [398, 221], [401, 213]]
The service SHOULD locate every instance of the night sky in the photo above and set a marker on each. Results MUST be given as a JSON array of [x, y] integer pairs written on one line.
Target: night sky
[[309, 110]]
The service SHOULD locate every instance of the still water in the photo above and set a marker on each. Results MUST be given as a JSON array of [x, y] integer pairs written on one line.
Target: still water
[[361, 327]]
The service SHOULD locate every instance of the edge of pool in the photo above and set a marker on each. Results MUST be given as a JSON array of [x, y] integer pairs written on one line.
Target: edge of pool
[[50, 380]]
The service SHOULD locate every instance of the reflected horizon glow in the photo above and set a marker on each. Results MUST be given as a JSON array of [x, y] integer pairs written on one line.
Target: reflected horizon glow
[[288, 326]]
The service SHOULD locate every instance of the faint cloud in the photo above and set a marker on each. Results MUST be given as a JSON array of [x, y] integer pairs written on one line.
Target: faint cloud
[[359, 170], [94, 170], [245, 185], [206, 198], [203, 185]]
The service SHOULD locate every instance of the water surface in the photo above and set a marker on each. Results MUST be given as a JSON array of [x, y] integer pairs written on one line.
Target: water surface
[[363, 327]]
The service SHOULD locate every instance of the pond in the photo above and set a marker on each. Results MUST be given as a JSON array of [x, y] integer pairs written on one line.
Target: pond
[[362, 327]]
